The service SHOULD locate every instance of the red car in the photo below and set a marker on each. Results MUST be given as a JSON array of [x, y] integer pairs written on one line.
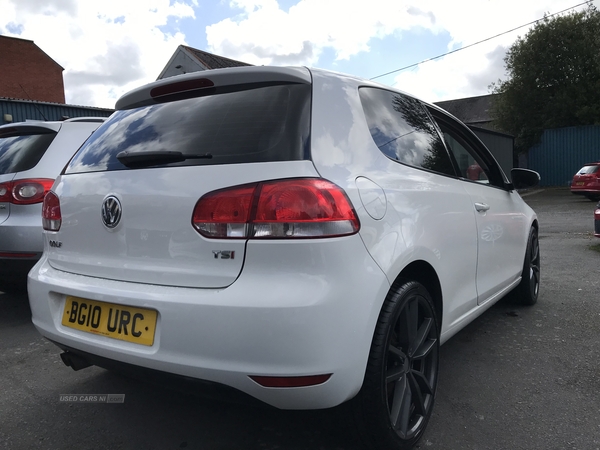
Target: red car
[[587, 181], [597, 221]]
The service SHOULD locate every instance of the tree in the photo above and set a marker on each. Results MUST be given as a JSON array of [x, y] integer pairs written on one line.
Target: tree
[[553, 78]]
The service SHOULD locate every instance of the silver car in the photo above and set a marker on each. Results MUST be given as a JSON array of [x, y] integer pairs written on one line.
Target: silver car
[[32, 154]]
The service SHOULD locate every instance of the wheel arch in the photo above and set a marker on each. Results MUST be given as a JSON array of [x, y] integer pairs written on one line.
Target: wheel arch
[[534, 224], [424, 273]]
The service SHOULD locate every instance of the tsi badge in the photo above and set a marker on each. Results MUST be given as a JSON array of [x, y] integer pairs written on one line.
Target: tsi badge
[[224, 254]]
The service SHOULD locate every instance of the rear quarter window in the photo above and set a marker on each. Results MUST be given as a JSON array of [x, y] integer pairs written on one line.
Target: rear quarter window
[[23, 152], [249, 125], [403, 130]]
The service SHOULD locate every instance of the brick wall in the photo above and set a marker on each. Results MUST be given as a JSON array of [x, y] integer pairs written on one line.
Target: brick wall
[[29, 73]]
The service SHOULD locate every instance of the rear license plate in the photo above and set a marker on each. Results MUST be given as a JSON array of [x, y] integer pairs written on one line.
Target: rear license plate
[[125, 323], [580, 183]]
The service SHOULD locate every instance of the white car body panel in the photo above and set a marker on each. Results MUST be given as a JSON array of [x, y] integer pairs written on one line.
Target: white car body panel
[[416, 201], [502, 238], [154, 242], [281, 317]]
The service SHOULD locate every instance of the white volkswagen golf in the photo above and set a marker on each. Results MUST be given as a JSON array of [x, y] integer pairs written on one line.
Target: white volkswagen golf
[[305, 237]]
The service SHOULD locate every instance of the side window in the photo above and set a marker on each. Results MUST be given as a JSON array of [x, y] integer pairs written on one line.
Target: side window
[[470, 167], [404, 131], [474, 162]]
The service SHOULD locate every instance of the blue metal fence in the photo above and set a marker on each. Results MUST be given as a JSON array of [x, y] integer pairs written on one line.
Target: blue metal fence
[[562, 152], [22, 110]]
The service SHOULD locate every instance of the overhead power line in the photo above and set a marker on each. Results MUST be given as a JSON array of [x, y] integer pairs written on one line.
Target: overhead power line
[[478, 42]]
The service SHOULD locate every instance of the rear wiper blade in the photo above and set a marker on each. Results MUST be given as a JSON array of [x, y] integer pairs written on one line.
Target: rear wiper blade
[[136, 160]]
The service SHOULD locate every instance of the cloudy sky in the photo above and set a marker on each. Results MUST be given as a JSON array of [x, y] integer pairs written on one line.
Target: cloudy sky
[[111, 46]]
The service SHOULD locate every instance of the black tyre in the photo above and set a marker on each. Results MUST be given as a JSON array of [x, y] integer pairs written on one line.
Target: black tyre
[[528, 290], [396, 400]]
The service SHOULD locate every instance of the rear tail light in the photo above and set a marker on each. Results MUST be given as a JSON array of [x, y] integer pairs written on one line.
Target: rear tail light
[[51, 216], [26, 191], [297, 208]]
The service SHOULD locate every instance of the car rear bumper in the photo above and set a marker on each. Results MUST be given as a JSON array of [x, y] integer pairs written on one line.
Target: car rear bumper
[[281, 318], [586, 190]]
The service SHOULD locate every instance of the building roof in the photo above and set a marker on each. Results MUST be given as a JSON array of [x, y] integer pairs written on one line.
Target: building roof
[[41, 102], [212, 61], [470, 110], [18, 110], [188, 59], [31, 43]]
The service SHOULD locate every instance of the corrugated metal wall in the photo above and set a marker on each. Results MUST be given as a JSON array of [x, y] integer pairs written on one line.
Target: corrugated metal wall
[[562, 152], [22, 110], [500, 145]]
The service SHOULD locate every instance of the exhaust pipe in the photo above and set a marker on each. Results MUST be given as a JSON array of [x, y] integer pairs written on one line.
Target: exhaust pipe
[[74, 361]]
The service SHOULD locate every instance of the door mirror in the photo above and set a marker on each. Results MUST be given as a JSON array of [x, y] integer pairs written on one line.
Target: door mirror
[[524, 178]]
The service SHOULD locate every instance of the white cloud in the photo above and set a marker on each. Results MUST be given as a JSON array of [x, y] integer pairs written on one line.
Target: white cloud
[[106, 48], [112, 46], [469, 72], [265, 34], [464, 74]]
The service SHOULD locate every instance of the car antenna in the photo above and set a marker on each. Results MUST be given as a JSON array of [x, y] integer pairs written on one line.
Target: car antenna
[[34, 105]]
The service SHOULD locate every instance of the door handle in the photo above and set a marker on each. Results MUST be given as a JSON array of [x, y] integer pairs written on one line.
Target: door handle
[[482, 207]]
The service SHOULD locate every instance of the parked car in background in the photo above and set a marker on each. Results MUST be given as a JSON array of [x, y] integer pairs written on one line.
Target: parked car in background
[[32, 154], [305, 237], [586, 181], [597, 220]]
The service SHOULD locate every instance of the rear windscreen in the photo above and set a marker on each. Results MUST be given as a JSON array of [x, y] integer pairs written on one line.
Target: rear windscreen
[[23, 152], [587, 170], [249, 125]]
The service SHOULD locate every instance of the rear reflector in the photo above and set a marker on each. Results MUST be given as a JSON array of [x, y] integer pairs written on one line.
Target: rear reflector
[[17, 255], [290, 382], [25, 192], [295, 208], [51, 215]]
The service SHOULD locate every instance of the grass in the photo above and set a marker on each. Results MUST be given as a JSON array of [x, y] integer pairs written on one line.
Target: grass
[[595, 247]]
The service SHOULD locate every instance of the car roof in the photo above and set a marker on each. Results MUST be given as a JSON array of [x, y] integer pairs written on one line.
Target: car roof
[[29, 125], [53, 125], [151, 93], [161, 90]]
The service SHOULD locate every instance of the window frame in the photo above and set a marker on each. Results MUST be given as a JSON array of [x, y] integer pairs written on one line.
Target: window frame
[[473, 145], [427, 111]]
